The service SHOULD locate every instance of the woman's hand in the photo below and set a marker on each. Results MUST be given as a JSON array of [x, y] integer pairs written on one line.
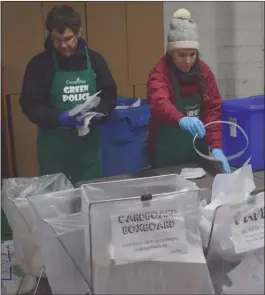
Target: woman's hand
[[193, 125], [219, 155]]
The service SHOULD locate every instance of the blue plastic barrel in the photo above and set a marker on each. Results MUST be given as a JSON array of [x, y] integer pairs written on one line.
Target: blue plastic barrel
[[124, 139], [248, 113]]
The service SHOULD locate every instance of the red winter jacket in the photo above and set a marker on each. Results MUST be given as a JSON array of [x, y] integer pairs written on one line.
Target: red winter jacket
[[161, 98]]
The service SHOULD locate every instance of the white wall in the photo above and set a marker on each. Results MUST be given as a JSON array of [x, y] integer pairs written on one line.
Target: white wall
[[231, 42]]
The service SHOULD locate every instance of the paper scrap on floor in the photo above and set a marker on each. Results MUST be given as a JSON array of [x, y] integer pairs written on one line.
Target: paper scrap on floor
[[192, 173]]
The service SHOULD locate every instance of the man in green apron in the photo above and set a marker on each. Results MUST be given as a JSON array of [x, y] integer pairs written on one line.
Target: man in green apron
[[183, 96], [57, 80]]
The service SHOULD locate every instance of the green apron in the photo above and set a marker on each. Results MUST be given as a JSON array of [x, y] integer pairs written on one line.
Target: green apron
[[174, 145], [62, 150]]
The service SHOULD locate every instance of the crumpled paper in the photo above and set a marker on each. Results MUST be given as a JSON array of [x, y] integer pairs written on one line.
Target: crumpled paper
[[85, 114], [87, 117]]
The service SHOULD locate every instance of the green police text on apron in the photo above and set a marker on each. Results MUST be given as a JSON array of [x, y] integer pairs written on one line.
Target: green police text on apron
[[62, 150], [174, 145]]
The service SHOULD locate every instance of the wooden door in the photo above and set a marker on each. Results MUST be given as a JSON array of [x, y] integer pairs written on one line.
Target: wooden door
[[24, 138], [22, 38], [8, 159], [145, 38], [106, 31]]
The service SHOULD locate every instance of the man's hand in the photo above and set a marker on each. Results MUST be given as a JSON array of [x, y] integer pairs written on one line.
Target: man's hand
[[69, 121]]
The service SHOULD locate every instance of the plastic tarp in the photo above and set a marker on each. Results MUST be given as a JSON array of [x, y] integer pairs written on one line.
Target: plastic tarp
[[145, 247], [21, 217]]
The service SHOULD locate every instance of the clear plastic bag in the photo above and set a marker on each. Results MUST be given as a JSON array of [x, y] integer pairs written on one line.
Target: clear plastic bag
[[130, 188], [20, 215], [226, 189], [236, 249], [60, 234], [167, 260]]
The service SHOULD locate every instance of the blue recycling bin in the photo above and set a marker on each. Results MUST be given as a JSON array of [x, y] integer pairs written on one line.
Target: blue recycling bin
[[124, 139], [248, 113]]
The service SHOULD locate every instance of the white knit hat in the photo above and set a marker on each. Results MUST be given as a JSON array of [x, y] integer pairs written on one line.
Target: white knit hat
[[183, 32]]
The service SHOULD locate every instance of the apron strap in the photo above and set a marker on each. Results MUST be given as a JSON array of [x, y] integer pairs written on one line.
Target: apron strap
[[179, 98], [88, 63]]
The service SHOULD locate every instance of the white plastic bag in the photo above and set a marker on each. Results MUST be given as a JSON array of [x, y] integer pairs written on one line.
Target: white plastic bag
[[11, 275], [21, 217], [236, 252], [60, 234], [231, 188], [156, 259], [251, 269], [238, 229]]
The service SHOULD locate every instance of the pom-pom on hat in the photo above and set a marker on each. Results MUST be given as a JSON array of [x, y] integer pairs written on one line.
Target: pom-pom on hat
[[183, 32]]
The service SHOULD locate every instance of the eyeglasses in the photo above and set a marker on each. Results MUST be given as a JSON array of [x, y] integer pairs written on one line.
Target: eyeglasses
[[59, 40]]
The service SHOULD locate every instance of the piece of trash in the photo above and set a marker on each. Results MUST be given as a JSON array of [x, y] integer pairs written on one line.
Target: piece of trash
[[192, 173], [134, 105]]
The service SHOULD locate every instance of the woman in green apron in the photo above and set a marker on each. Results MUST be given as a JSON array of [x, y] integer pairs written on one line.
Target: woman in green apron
[[183, 97], [57, 80]]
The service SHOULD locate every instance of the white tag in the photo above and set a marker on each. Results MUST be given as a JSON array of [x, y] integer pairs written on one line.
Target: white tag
[[248, 234], [233, 131], [142, 234], [193, 113]]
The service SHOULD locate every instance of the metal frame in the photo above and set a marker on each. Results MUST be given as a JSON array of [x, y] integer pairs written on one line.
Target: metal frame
[[37, 284]]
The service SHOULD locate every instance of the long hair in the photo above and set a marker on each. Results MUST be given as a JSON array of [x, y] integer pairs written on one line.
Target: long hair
[[199, 77], [197, 70]]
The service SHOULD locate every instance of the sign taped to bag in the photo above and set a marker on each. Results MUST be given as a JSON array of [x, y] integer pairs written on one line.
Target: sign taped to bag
[[146, 233], [248, 230]]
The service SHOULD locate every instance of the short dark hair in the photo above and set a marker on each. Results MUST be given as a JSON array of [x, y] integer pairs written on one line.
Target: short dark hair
[[61, 18]]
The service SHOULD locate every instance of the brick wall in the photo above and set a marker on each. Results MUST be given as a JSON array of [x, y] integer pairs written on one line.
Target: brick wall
[[232, 42]]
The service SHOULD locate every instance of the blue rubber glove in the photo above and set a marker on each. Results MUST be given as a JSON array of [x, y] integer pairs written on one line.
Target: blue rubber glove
[[219, 155], [68, 121], [193, 125]]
